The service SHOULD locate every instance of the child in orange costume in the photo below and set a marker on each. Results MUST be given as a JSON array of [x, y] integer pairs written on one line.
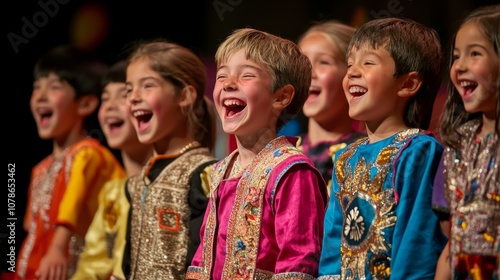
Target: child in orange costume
[[64, 186]]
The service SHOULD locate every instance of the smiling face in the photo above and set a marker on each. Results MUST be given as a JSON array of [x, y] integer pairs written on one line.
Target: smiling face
[[243, 96], [54, 107], [370, 86], [153, 104], [475, 69], [326, 99], [114, 116]]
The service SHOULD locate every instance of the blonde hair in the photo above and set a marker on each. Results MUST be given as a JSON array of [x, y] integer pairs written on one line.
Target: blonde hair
[[283, 59], [337, 33]]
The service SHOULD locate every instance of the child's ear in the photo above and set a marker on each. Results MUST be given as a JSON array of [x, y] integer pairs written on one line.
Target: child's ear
[[187, 96], [87, 105], [283, 97], [411, 85]]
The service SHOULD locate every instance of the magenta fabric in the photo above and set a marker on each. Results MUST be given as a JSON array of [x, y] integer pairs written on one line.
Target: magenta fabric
[[292, 222]]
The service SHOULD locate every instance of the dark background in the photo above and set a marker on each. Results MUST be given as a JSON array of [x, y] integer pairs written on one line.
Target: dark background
[[107, 27]]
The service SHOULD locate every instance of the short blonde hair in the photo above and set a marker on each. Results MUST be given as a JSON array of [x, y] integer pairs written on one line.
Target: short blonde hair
[[283, 59]]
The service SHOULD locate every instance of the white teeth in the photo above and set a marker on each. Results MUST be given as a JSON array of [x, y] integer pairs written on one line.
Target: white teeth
[[139, 113], [356, 89], [233, 102], [467, 83], [113, 120]]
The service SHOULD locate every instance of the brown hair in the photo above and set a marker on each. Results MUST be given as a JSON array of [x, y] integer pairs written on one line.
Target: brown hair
[[413, 47], [182, 67]]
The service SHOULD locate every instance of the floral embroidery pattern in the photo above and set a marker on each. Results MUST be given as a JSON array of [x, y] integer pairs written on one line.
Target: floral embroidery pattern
[[354, 226]]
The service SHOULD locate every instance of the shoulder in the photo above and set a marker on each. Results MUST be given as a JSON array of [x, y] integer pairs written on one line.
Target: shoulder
[[88, 147], [424, 139], [419, 149]]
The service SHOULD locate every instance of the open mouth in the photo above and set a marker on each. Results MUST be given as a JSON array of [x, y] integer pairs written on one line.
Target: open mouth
[[142, 117], [314, 91], [114, 123], [44, 114], [468, 87], [357, 91], [233, 106]]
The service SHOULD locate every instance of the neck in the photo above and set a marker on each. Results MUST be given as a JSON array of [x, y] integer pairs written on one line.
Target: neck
[[332, 131], [173, 146], [135, 159], [377, 131], [63, 142], [250, 146], [488, 126]]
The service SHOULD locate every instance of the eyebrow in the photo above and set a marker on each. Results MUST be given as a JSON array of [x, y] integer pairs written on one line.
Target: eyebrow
[[143, 79], [468, 47], [241, 66]]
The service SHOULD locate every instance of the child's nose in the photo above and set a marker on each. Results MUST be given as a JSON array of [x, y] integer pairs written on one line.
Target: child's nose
[[229, 84], [352, 72], [459, 65], [134, 96]]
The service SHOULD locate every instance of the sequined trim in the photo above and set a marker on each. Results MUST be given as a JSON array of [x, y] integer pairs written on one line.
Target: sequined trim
[[160, 218], [47, 173], [329, 277], [169, 219], [472, 189], [193, 273], [362, 241], [245, 220], [291, 276]]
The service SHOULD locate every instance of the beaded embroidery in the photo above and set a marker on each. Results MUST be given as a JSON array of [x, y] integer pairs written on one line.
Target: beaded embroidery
[[472, 189], [362, 239]]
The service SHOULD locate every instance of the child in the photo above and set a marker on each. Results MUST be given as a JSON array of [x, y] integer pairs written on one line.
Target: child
[[266, 209], [165, 88], [105, 239], [62, 196], [379, 222], [470, 129], [329, 125]]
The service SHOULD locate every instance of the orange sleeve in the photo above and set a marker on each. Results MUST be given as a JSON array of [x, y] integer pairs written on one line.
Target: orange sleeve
[[27, 215]]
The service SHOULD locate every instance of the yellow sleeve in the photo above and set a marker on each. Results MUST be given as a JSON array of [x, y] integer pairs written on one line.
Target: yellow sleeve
[[103, 242], [91, 167], [206, 178]]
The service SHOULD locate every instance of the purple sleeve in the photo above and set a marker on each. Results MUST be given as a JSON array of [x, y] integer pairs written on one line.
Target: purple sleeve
[[439, 203]]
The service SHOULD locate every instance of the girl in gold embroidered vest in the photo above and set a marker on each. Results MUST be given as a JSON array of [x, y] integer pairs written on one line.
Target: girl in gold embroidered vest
[[105, 238], [267, 202], [470, 130], [165, 92]]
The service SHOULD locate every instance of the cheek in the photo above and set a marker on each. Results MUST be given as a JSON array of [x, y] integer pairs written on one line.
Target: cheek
[[32, 102], [344, 85], [100, 115], [124, 109]]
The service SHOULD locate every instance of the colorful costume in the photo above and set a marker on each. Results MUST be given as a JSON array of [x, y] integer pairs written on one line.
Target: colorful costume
[[64, 192], [168, 200], [322, 153], [472, 188], [266, 224], [379, 222], [105, 238]]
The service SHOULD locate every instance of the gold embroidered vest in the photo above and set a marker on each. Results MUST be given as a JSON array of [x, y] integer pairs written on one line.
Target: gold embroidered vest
[[160, 218]]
